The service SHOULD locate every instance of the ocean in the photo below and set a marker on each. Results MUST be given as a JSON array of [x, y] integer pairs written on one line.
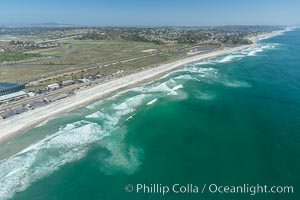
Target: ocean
[[232, 120]]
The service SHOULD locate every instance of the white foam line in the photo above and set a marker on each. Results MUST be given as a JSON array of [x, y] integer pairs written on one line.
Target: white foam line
[[229, 58], [39, 160], [151, 102], [177, 87]]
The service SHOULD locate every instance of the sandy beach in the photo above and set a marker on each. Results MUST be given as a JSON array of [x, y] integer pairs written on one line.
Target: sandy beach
[[18, 123]]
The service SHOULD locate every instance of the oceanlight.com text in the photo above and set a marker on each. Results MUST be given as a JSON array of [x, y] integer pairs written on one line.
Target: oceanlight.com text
[[207, 188]]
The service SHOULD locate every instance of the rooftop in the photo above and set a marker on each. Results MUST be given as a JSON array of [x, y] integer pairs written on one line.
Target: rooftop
[[12, 95]]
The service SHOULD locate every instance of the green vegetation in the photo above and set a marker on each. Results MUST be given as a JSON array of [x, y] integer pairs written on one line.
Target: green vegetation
[[16, 56], [75, 55]]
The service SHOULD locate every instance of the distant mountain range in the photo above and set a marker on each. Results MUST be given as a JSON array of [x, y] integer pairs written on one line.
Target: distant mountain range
[[53, 24], [47, 24]]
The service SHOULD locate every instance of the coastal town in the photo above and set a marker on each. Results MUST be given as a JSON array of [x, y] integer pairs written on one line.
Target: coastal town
[[51, 47]]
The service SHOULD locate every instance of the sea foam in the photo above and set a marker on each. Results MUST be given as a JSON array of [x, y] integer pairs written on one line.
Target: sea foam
[[123, 158], [204, 96], [229, 58], [41, 159], [152, 102]]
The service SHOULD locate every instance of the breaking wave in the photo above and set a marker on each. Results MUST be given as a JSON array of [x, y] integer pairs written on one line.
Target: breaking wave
[[152, 102], [229, 58], [259, 48], [38, 160], [274, 34], [186, 77]]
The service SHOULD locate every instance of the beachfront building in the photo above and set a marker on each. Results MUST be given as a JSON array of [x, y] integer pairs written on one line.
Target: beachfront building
[[56, 97], [53, 86], [83, 80], [12, 96], [67, 82]]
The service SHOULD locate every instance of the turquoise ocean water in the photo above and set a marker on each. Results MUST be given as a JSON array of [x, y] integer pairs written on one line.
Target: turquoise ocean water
[[229, 120]]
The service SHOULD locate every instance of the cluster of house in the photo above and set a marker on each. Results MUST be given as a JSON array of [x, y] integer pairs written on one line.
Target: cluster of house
[[55, 86], [65, 83], [31, 45]]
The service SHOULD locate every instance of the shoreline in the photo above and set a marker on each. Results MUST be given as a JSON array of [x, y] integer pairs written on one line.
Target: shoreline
[[25, 121]]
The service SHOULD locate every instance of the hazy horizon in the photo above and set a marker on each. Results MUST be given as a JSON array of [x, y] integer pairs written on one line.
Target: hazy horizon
[[149, 13], [57, 24]]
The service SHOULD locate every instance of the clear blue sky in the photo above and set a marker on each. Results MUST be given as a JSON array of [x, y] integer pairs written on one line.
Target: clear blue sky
[[150, 12]]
